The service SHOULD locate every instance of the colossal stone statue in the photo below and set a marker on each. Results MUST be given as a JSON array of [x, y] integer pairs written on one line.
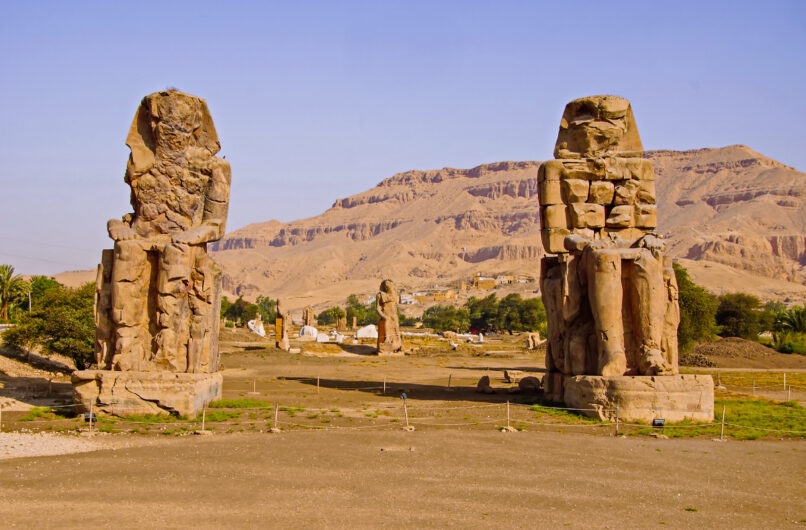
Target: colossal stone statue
[[158, 293], [389, 341], [610, 293]]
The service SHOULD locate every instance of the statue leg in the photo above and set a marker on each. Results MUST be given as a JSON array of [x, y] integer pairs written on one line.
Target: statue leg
[[671, 318], [129, 300], [551, 288], [648, 296], [603, 269], [204, 316], [173, 286]]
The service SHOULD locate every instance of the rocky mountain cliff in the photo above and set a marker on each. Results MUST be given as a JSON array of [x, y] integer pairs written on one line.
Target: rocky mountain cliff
[[728, 207]]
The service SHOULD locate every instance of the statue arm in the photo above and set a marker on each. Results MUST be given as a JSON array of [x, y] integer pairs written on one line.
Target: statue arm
[[216, 205]]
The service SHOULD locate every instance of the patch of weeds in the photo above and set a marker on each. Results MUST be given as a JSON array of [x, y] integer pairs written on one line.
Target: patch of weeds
[[108, 427], [564, 416], [42, 414], [292, 410], [252, 415], [312, 416], [394, 420], [220, 415], [240, 404], [325, 420], [691, 509], [153, 418], [371, 415], [334, 410]]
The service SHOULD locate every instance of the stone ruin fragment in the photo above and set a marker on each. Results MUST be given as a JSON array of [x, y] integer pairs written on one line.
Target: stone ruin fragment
[[158, 293], [308, 317], [610, 292], [389, 338]]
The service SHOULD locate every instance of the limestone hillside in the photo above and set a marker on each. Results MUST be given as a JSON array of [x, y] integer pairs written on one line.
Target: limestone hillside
[[735, 218]]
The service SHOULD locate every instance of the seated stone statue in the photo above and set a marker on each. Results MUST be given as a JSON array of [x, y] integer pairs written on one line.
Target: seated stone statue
[[610, 295], [158, 292]]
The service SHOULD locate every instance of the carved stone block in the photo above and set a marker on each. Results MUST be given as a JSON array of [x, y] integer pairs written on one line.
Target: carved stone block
[[586, 215], [601, 192], [574, 190], [621, 216]]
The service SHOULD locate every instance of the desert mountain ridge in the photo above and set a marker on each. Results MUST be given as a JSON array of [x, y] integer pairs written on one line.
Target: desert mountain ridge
[[735, 218]]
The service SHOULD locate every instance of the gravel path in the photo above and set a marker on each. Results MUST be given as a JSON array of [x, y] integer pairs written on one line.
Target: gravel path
[[18, 445]]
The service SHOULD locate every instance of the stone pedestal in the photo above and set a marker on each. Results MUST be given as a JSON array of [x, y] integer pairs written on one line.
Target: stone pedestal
[[674, 397], [125, 393]]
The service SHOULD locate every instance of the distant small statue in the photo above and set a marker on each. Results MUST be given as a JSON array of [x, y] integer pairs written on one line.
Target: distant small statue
[[389, 340], [282, 329]]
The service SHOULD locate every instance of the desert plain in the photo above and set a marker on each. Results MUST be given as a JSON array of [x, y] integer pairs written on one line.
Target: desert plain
[[343, 457]]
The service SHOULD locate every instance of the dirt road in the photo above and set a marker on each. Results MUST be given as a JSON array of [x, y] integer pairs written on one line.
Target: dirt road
[[399, 479]]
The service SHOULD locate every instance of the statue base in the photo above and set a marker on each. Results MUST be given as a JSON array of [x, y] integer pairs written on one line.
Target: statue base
[[126, 393], [638, 398]]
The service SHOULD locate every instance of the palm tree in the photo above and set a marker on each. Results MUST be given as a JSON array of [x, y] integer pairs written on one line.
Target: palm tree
[[10, 287], [793, 320]]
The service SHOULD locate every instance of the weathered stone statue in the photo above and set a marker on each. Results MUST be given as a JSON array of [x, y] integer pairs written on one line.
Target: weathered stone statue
[[282, 330], [389, 341], [308, 318], [610, 293], [158, 293]]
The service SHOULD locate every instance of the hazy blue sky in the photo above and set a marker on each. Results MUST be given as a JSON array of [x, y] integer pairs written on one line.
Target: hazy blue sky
[[314, 101]]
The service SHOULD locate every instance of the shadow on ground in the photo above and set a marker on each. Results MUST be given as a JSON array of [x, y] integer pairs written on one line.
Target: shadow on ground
[[421, 391]]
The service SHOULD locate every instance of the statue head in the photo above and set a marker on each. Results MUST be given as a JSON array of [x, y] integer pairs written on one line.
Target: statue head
[[388, 286], [598, 126], [168, 123]]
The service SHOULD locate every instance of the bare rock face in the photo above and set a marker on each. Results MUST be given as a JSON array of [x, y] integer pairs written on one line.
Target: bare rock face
[[389, 339], [610, 293], [158, 293]]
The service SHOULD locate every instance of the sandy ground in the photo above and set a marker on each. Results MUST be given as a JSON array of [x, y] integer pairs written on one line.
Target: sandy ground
[[405, 480], [363, 470]]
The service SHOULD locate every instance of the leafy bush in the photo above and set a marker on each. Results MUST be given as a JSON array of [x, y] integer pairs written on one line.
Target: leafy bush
[[697, 311], [330, 316], [61, 322], [447, 318], [738, 315]]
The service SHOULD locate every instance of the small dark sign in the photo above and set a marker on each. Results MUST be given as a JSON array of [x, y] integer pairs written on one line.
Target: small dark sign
[[402, 395], [87, 417], [658, 422]]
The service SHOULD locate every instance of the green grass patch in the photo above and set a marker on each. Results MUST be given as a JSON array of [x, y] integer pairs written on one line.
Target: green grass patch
[[563, 416], [220, 415], [42, 414], [245, 403], [152, 418], [745, 419]]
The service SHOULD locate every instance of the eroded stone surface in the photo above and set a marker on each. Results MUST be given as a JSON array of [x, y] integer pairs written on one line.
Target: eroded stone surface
[[673, 398], [127, 393]]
